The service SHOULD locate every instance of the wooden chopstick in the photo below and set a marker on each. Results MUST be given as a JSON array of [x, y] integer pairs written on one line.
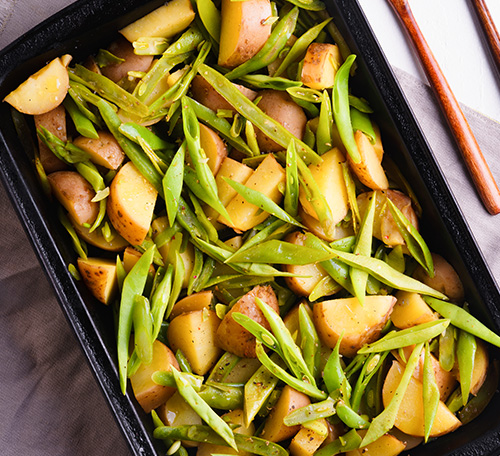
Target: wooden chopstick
[[489, 29], [465, 139]]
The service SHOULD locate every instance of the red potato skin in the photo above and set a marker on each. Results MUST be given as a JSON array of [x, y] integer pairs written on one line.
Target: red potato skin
[[231, 336]]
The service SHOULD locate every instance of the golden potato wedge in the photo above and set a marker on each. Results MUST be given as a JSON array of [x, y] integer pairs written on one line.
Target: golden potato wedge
[[99, 275], [384, 226], [320, 65], [329, 178], [123, 49], [131, 203], [410, 417], [166, 21], [291, 319], [307, 441], [205, 94], [75, 194], [196, 301], [194, 333], [103, 151], [244, 30], [130, 257], [361, 324], [387, 445], [55, 122], [369, 170], [149, 394], [283, 109], [214, 148], [268, 178], [411, 310], [44, 90], [275, 429], [231, 336], [236, 418], [445, 280], [243, 370], [96, 238], [341, 231], [310, 274]]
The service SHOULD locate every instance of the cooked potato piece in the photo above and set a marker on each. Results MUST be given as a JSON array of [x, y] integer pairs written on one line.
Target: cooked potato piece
[[410, 417], [131, 257], [284, 110], [103, 151], [361, 324], [196, 301], [410, 310], [445, 381], [194, 334], [410, 441], [96, 238], [379, 148], [149, 394], [291, 319], [205, 94], [231, 336], [55, 122], [339, 232], [75, 194], [481, 364], [329, 177], [320, 65], [99, 275], [310, 274], [387, 445], [275, 429], [131, 203], [214, 148], [267, 179], [234, 417], [244, 30], [384, 226], [43, 91], [445, 280], [369, 170], [122, 49], [307, 441], [166, 21]]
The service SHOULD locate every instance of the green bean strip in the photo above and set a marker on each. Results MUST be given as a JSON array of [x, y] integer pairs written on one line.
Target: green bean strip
[[360, 104], [65, 151], [413, 240], [351, 195], [203, 409], [447, 349], [466, 351], [223, 367], [324, 139], [160, 299], [383, 272], [341, 112], [179, 272], [166, 378], [349, 417], [133, 285], [210, 16], [361, 121], [284, 376], [203, 434], [261, 81], [134, 131], [404, 338], [78, 244], [430, 393], [197, 270], [263, 202], [272, 47], [222, 396], [92, 175], [82, 124], [333, 374], [172, 183], [463, 320], [347, 442], [108, 90], [183, 362], [188, 220], [316, 411], [75, 92], [258, 331], [363, 246], [250, 111], [385, 421], [291, 203], [309, 342], [277, 229], [143, 329]]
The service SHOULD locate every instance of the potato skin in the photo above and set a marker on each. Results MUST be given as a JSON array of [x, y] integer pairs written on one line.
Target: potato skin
[[231, 336], [99, 275], [75, 194], [284, 110]]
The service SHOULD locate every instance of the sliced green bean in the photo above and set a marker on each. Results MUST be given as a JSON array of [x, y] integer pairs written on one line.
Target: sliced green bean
[[333, 374], [78, 244], [172, 183], [316, 411], [361, 121], [222, 396], [447, 349], [160, 299], [430, 393], [324, 141], [466, 351], [261, 81], [210, 16], [309, 341], [143, 329], [347, 442], [166, 378], [349, 417], [82, 123]]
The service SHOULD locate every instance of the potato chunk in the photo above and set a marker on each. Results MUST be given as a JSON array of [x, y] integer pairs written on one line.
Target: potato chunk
[[103, 151], [131, 203], [307, 441], [231, 336], [196, 301], [44, 90], [387, 445], [99, 275], [75, 194], [410, 417], [97, 239], [411, 310], [361, 324], [244, 30], [320, 65]]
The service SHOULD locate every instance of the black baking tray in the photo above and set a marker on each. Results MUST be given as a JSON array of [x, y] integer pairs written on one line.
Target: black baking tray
[[87, 25]]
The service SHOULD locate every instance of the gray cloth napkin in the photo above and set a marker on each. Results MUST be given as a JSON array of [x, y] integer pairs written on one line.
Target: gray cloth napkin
[[49, 401]]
